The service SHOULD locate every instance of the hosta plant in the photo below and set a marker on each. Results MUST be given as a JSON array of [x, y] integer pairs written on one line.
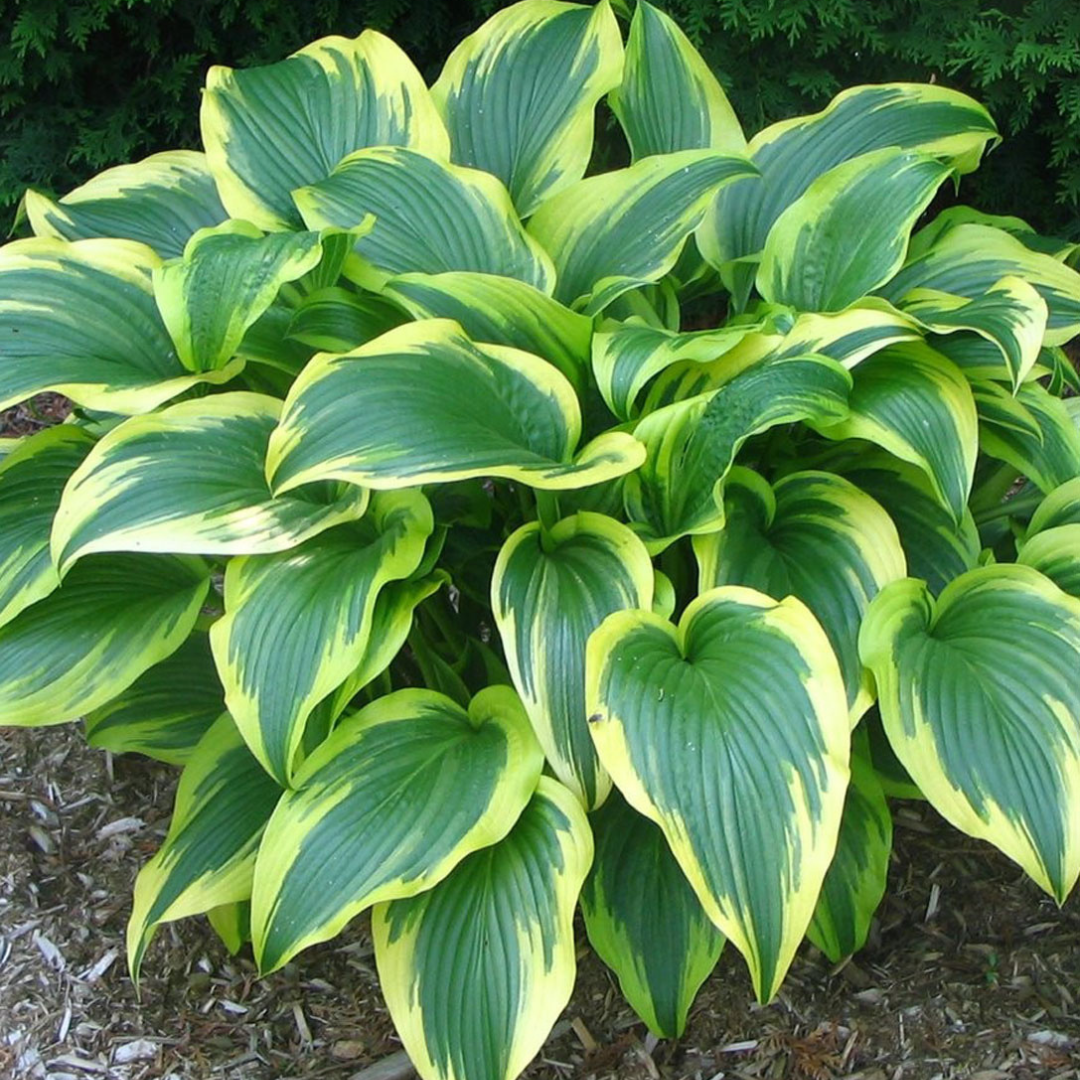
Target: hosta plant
[[483, 538]]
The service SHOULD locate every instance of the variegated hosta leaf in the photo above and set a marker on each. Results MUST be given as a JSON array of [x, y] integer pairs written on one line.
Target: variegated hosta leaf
[[438, 407], [792, 154], [969, 261], [948, 219], [166, 710], [227, 278], [32, 477], [936, 547], [731, 732], [916, 404], [627, 356], [391, 622], [1011, 316], [113, 617], [232, 924], [609, 234], [848, 337], [223, 802], [334, 319], [297, 622], [161, 201], [855, 882], [270, 130], [476, 970], [431, 217], [384, 809], [669, 100], [518, 96], [502, 311], [1032, 431], [644, 920], [816, 536], [847, 234], [1052, 543], [79, 318], [191, 479], [980, 700], [692, 444], [549, 592]]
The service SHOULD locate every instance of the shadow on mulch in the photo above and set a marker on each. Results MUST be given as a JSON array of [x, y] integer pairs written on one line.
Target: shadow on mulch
[[971, 971]]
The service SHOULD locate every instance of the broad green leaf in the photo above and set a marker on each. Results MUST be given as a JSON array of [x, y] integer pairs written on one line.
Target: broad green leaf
[[384, 809], [228, 277], [627, 356], [502, 311], [792, 154], [549, 592], [161, 201], [731, 732], [297, 622], [949, 218], [816, 536], [692, 444], [847, 234], [916, 404], [476, 970], [113, 617], [79, 318], [431, 217], [855, 882], [32, 477], [1011, 316], [166, 710], [223, 802], [611, 233], [191, 479], [644, 920], [270, 130], [335, 319], [438, 407], [1052, 542], [980, 700], [937, 549], [969, 261], [1032, 431], [518, 95], [848, 337], [669, 100]]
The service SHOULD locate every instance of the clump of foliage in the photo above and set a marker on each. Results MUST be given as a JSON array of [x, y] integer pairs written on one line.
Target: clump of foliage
[[405, 510]]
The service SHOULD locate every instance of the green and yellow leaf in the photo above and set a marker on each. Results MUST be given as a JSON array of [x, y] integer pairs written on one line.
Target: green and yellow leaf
[[813, 535], [476, 970], [161, 201], [334, 319], [269, 130], [644, 920], [438, 407], [431, 217], [609, 234], [518, 96], [223, 802], [297, 622], [191, 478], [166, 710], [79, 318], [669, 99], [847, 234], [731, 732], [384, 809], [549, 592], [979, 698], [113, 617]]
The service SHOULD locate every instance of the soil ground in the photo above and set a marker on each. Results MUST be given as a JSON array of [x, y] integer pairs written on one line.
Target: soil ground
[[970, 973]]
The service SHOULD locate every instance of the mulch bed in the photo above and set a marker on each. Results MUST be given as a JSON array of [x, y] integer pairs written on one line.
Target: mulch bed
[[971, 971]]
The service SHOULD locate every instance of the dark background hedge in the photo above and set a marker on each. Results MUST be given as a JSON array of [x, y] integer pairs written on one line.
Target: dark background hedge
[[89, 83]]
